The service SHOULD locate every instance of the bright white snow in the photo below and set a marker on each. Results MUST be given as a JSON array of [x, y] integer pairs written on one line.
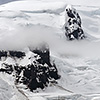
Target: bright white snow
[[28, 22]]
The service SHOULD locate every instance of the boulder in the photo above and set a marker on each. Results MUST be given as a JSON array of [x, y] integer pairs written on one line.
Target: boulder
[[38, 74], [73, 29]]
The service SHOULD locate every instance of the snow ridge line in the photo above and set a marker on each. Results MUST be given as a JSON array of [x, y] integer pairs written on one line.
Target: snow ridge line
[[86, 6], [42, 11], [56, 11], [20, 91], [60, 87]]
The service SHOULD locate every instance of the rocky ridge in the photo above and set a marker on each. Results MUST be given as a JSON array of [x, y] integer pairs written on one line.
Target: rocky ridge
[[32, 69]]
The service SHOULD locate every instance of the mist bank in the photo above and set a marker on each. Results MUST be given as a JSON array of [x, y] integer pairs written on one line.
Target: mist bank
[[33, 36]]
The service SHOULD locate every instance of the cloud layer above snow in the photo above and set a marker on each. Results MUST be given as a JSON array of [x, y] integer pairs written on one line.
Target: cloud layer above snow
[[22, 37], [33, 36]]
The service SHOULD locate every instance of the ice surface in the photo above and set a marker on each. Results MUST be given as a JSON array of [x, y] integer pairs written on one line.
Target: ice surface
[[78, 63]]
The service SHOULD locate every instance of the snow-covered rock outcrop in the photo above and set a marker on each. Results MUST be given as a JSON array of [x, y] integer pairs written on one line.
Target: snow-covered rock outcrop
[[73, 24], [32, 68]]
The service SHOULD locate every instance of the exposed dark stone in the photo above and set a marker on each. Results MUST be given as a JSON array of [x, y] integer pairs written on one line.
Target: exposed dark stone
[[53, 72], [17, 54], [70, 13], [44, 56], [38, 74], [73, 25], [3, 54], [33, 84], [8, 69]]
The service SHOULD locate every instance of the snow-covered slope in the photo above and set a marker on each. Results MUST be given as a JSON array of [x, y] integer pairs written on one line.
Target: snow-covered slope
[[26, 23], [6, 1]]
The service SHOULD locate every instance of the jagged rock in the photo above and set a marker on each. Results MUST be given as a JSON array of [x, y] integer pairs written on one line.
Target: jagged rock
[[38, 74], [44, 54], [7, 68], [17, 54], [3, 54], [73, 29]]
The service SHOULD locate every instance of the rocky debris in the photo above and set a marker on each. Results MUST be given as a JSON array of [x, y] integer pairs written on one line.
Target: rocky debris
[[17, 54], [44, 54], [3, 54], [73, 29], [6, 68], [38, 74]]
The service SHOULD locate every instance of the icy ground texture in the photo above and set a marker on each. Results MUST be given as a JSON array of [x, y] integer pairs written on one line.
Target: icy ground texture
[[77, 62], [73, 25]]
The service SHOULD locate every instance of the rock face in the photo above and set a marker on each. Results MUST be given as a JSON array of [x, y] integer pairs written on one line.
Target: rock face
[[73, 29], [36, 72]]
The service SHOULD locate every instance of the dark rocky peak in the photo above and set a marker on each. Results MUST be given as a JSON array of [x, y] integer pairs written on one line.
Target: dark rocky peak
[[73, 29], [3, 54], [37, 74], [17, 54], [6, 68], [43, 52]]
